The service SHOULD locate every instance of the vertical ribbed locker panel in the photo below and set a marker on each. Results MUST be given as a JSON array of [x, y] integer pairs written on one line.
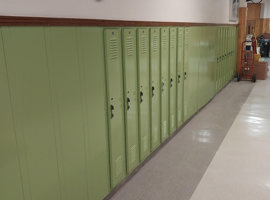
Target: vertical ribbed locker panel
[[131, 97], [10, 173], [144, 93], [25, 53], [155, 87], [180, 76], [165, 74], [173, 80], [61, 127], [91, 59], [186, 77], [113, 57], [76, 66]]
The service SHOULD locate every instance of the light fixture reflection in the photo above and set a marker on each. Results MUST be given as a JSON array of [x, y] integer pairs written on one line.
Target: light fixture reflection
[[203, 136]]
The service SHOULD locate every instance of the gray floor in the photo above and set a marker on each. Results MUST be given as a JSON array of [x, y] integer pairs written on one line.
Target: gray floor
[[175, 171]]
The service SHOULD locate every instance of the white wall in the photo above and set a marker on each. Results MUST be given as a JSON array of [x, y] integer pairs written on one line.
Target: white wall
[[212, 11], [265, 10]]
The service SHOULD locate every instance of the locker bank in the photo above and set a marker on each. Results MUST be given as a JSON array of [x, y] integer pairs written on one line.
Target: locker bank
[[120, 101]]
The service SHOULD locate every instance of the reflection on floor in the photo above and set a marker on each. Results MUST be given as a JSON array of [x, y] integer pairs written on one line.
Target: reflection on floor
[[241, 166]]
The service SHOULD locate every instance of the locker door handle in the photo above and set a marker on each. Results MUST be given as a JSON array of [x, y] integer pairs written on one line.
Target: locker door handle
[[128, 103], [141, 95], [112, 108], [153, 88], [171, 82], [179, 76]]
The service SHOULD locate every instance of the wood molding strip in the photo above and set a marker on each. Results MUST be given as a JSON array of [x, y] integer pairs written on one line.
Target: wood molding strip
[[45, 21]]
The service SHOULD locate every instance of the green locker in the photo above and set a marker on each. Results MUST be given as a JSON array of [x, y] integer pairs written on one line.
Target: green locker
[[221, 56], [191, 62], [211, 62], [113, 57], [217, 59], [155, 87], [91, 57], [173, 79], [187, 60], [131, 97], [75, 74], [10, 174], [227, 55], [180, 73], [165, 74], [202, 77], [144, 85], [26, 62], [51, 85]]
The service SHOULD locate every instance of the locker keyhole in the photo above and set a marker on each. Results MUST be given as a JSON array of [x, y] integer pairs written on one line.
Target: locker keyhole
[[128, 103]]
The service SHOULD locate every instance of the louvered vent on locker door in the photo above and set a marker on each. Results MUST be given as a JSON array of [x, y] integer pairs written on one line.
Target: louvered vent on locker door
[[173, 41], [113, 48], [187, 38], [129, 46], [164, 42], [143, 45], [155, 44], [180, 36]]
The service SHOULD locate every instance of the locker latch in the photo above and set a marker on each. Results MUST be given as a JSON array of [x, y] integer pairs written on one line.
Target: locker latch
[[179, 76], [171, 82], [153, 88], [185, 77], [128, 103], [112, 108], [141, 95]]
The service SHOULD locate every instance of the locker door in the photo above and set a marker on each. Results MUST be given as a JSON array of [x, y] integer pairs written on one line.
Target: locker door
[[165, 74], [226, 54], [217, 57], [187, 78], [222, 57], [180, 73], [155, 87], [195, 69], [131, 97], [30, 96], [10, 175], [77, 74], [173, 79], [201, 58], [230, 53], [91, 53], [113, 53], [144, 81]]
